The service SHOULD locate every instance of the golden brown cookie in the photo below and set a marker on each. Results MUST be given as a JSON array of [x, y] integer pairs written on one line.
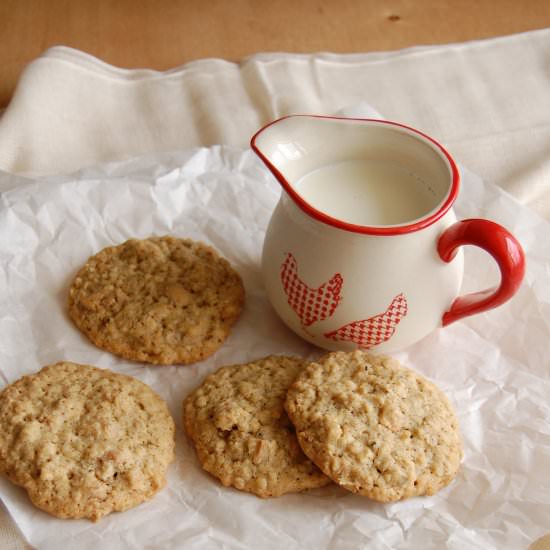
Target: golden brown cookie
[[84, 442], [241, 432], [375, 427], [160, 300]]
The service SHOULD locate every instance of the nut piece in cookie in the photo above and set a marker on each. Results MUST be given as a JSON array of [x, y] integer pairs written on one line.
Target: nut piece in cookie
[[84, 442], [241, 432], [160, 300], [374, 427]]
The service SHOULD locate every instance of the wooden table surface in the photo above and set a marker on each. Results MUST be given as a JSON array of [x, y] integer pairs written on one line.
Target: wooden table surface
[[161, 34]]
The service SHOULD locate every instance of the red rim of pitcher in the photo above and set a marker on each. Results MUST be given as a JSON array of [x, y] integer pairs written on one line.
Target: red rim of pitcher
[[366, 229]]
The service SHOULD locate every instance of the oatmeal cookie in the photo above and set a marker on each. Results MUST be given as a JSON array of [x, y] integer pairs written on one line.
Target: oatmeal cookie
[[160, 300], [241, 432], [375, 427], [84, 442]]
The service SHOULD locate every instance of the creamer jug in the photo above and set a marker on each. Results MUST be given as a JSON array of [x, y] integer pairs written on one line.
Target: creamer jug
[[363, 249]]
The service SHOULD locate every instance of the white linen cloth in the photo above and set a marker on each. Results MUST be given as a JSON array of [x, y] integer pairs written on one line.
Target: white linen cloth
[[486, 101]]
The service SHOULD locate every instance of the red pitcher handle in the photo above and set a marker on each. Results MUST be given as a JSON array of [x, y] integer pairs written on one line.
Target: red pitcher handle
[[502, 246]]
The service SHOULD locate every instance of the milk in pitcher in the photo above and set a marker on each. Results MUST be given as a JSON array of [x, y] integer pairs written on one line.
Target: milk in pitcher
[[368, 192]]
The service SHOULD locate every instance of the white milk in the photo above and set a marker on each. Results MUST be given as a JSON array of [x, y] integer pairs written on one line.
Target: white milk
[[367, 192]]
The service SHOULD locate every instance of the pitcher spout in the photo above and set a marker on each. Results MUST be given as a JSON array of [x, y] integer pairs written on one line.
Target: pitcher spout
[[295, 145]]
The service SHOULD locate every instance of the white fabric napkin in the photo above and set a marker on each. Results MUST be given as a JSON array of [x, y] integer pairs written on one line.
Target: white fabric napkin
[[487, 101]]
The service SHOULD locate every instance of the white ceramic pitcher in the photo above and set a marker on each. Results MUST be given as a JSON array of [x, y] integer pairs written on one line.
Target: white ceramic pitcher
[[363, 249]]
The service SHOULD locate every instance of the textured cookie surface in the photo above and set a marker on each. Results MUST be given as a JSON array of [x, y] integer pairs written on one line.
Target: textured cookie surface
[[241, 432], [375, 427], [84, 441], [160, 300]]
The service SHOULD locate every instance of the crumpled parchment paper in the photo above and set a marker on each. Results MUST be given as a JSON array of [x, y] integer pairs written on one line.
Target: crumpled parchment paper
[[495, 367]]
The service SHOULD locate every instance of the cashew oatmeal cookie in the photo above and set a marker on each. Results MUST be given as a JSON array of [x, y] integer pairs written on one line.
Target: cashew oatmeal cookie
[[241, 432], [160, 300], [375, 427], [84, 442]]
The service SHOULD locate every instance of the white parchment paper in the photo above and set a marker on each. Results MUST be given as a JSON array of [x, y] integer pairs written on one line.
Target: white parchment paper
[[495, 367]]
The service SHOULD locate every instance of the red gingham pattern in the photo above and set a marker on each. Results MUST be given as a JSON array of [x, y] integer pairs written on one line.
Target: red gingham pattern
[[375, 330], [310, 304]]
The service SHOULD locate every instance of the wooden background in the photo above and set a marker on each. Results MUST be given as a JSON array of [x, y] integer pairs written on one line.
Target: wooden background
[[161, 34]]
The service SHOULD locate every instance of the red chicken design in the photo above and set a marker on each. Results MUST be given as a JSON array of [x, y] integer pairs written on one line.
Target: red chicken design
[[375, 330], [310, 304]]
